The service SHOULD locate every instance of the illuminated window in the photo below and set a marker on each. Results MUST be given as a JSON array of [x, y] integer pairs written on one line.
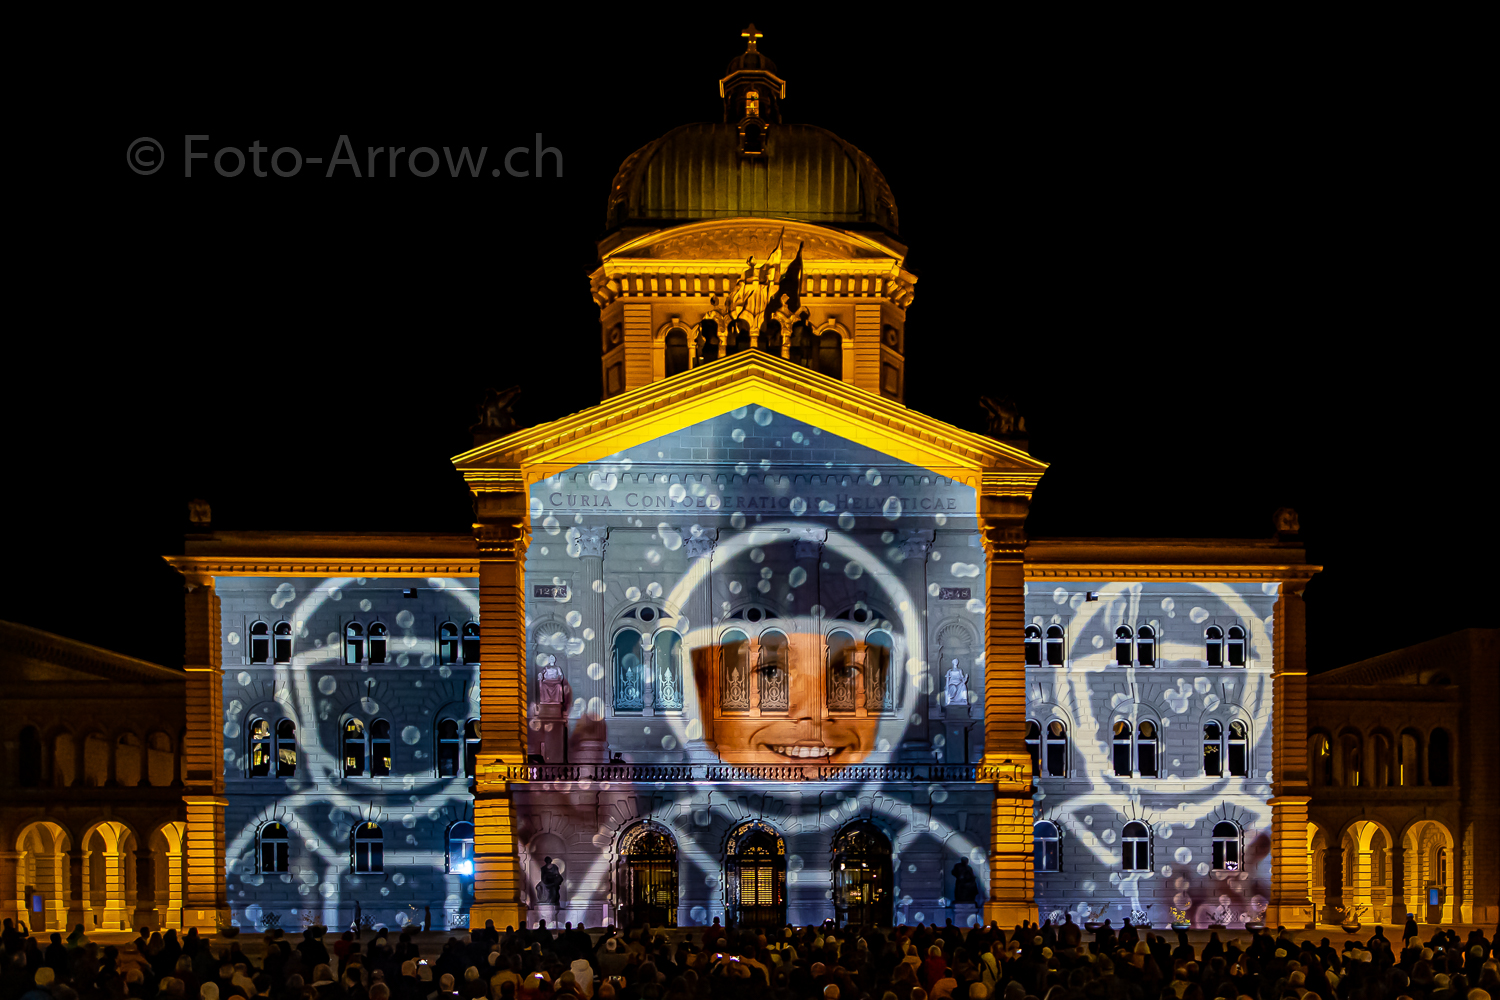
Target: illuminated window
[[283, 642], [1055, 645], [273, 849], [354, 643], [260, 643], [734, 672], [450, 745], [1145, 646], [1213, 758], [1135, 848], [1034, 746], [354, 748], [1122, 749], [461, 848], [286, 748], [1213, 640], [1033, 646], [260, 748], [1235, 646], [1409, 758], [666, 652], [1226, 847], [831, 354], [676, 352], [1145, 749], [380, 748], [1048, 846], [1057, 750], [1239, 749], [471, 747], [377, 643], [471, 642], [772, 671], [707, 341], [369, 850], [447, 643], [1124, 647]]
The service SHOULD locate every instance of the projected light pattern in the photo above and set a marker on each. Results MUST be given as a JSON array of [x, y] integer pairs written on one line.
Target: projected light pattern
[[1138, 658]]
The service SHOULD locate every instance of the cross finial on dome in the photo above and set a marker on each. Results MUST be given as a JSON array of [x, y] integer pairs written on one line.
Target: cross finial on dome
[[751, 35]]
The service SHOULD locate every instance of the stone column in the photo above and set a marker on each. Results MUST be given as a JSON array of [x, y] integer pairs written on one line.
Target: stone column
[[145, 914], [207, 899], [1333, 884], [502, 534], [52, 875], [113, 918], [80, 905], [1289, 903], [1006, 762], [13, 902], [590, 745], [1390, 899]]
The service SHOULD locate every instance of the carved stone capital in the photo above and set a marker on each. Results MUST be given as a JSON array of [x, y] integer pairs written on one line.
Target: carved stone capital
[[916, 544], [1004, 540], [503, 539], [592, 542], [701, 546]]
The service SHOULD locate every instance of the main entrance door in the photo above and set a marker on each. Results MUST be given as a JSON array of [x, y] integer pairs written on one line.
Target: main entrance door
[[756, 870], [649, 876], [862, 876]]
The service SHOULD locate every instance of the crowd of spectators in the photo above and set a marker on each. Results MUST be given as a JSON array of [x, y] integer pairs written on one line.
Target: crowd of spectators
[[717, 963]]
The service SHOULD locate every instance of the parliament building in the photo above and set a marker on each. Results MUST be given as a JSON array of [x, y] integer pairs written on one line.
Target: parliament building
[[748, 640]]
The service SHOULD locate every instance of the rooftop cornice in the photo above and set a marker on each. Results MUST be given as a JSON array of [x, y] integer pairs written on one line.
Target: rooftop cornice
[[23, 641]]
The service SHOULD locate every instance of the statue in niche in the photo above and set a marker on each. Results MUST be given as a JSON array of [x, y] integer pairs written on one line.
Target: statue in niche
[[957, 683], [550, 682], [549, 888], [965, 884]]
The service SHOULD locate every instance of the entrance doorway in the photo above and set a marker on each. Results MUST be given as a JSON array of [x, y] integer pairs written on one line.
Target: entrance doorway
[[650, 876], [756, 870], [862, 876]]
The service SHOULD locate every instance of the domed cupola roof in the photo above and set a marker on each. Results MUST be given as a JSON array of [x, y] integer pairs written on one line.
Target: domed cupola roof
[[750, 165]]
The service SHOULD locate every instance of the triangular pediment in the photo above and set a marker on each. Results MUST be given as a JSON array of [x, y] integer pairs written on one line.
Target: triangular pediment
[[750, 380], [736, 239]]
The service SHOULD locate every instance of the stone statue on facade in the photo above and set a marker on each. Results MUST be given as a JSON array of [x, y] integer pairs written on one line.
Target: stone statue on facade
[[496, 416], [549, 888], [957, 683], [965, 884], [550, 682]]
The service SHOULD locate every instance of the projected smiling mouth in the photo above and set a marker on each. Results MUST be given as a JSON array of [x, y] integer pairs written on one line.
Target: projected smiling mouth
[[808, 741]]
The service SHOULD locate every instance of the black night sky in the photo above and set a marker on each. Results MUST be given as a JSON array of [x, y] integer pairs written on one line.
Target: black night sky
[[1218, 280]]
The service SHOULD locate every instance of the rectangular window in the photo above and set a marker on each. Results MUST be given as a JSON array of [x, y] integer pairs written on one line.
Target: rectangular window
[[1211, 764], [1057, 759], [1237, 759], [1236, 652], [377, 650], [259, 649], [1033, 654], [1146, 753], [471, 649], [1122, 652], [380, 758], [1122, 760], [273, 856], [1046, 855], [283, 649], [369, 857], [1215, 654]]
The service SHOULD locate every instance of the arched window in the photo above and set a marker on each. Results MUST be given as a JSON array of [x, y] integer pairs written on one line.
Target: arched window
[[1239, 749], [1381, 761], [1034, 746], [260, 748], [677, 353], [734, 672], [1213, 640], [1135, 848], [1439, 765], [260, 643], [774, 672], [30, 763], [1122, 749], [739, 337], [377, 642], [286, 748], [1226, 847], [1048, 846], [354, 748], [369, 850], [1124, 646], [273, 849], [447, 643], [630, 685], [450, 745], [707, 341], [471, 642], [1352, 759], [769, 337], [1213, 759], [803, 349], [1033, 646], [1409, 758], [1145, 646], [1321, 763], [831, 354], [1057, 749], [283, 643], [843, 674], [1145, 749], [461, 848], [1055, 645], [879, 691], [471, 747], [1235, 646], [354, 643], [666, 652], [380, 748]]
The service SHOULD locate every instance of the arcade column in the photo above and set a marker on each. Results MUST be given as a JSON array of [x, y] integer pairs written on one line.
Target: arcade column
[[502, 533], [1006, 762], [206, 897]]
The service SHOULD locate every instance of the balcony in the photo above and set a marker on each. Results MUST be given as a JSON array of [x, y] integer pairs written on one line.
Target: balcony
[[739, 773]]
